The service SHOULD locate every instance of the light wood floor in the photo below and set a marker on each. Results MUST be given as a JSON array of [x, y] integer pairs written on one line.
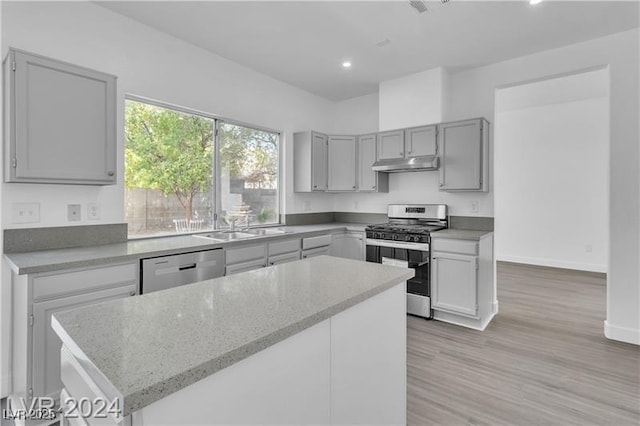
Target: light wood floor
[[543, 360]]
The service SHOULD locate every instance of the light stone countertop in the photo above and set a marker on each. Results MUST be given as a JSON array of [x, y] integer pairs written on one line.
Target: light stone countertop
[[460, 234], [147, 347], [132, 250]]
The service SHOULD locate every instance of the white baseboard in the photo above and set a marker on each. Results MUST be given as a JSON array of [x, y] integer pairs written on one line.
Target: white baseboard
[[622, 334], [590, 267]]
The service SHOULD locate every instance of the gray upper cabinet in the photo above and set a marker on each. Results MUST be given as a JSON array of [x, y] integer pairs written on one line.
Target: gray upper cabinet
[[463, 148], [61, 122], [420, 141], [310, 154], [368, 180], [342, 163], [391, 144]]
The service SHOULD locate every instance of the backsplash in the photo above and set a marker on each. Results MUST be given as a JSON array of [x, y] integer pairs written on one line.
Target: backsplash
[[34, 239]]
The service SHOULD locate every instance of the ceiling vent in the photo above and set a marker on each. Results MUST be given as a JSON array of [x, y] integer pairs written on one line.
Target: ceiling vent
[[419, 5]]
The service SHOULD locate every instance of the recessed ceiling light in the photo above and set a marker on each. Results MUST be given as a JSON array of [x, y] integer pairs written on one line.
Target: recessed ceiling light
[[534, 1], [346, 64]]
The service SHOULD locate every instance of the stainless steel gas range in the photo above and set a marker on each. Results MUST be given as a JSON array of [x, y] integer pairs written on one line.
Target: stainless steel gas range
[[405, 241]]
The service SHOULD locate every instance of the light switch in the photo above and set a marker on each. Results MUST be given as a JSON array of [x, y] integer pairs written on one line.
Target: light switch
[[25, 213], [73, 212]]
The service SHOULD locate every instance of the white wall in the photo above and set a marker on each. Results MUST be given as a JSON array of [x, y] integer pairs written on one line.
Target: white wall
[[552, 172], [155, 65], [414, 100], [472, 95]]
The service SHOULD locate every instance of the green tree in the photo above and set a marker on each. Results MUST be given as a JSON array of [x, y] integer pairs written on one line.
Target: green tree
[[249, 154], [169, 151]]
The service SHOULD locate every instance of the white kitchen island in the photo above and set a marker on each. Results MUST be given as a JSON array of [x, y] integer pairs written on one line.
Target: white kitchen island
[[321, 340]]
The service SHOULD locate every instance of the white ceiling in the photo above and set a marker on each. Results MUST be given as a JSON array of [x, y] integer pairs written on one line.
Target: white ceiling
[[304, 43]]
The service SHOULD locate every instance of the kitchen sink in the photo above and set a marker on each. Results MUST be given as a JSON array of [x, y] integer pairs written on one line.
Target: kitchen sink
[[226, 236], [265, 231]]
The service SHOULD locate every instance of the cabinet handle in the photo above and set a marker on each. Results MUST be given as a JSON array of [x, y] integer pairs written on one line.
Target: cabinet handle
[[354, 187], [401, 153], [110, 173], [304, 256], [132, 293], [264, 265], [272, 263], [315, 186], [409, 152], [373, 187]]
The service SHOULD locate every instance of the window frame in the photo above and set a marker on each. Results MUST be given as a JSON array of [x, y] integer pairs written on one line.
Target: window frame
[[217, 188]]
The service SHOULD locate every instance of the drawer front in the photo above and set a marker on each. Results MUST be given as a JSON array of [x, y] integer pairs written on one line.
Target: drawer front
[[281, 247], [455, 246], [319, 241], [245, 266], [82, 281], [318, 251], [244, 254], [284, 258]]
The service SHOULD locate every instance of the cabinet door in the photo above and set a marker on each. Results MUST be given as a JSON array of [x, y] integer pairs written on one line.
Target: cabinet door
[[46, 344], [319, 162], [391, 144], [284, 258], [366, 158], [342, 163], [64, 125], [354, 246], [318, 251], [454, 283], [420, 141], [460, 146]]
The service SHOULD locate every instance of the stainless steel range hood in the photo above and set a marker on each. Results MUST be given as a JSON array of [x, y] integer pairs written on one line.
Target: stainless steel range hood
[[415, 164]]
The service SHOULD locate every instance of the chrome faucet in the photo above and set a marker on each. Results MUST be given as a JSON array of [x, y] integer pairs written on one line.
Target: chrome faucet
[[232, 223]]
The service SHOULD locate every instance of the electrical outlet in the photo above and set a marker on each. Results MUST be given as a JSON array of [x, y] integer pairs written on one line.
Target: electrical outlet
[[25, 213], [355, 205], [73, 212], [307, 205], [93, 211], [474, 206], [588, 248]]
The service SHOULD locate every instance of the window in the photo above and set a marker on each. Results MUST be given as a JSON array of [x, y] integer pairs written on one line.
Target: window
[[174, 183]]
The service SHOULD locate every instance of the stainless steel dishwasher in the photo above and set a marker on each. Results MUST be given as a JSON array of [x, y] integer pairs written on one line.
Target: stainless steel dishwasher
[[160, 273]]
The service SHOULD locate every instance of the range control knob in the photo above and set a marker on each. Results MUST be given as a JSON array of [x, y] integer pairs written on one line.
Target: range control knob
[[395, 236], [407, 237], [416, 238]]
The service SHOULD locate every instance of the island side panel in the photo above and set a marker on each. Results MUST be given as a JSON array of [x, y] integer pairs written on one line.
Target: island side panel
[[369, 361], [287, 383]]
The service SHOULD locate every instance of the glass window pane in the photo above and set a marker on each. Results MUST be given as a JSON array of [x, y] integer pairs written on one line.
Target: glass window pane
[[249, 176], [168, 171]]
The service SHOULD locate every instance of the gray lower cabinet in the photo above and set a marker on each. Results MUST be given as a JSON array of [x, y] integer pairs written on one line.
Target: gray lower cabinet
[[463, 149], [349, 245], [36, 297], [245, 258], [310, 150], [283, 251], [317, 251], [454, 283], [61, 122], [46, 344], [369, 180]]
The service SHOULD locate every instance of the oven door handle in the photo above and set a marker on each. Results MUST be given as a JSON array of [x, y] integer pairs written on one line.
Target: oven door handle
[[400, 245]]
